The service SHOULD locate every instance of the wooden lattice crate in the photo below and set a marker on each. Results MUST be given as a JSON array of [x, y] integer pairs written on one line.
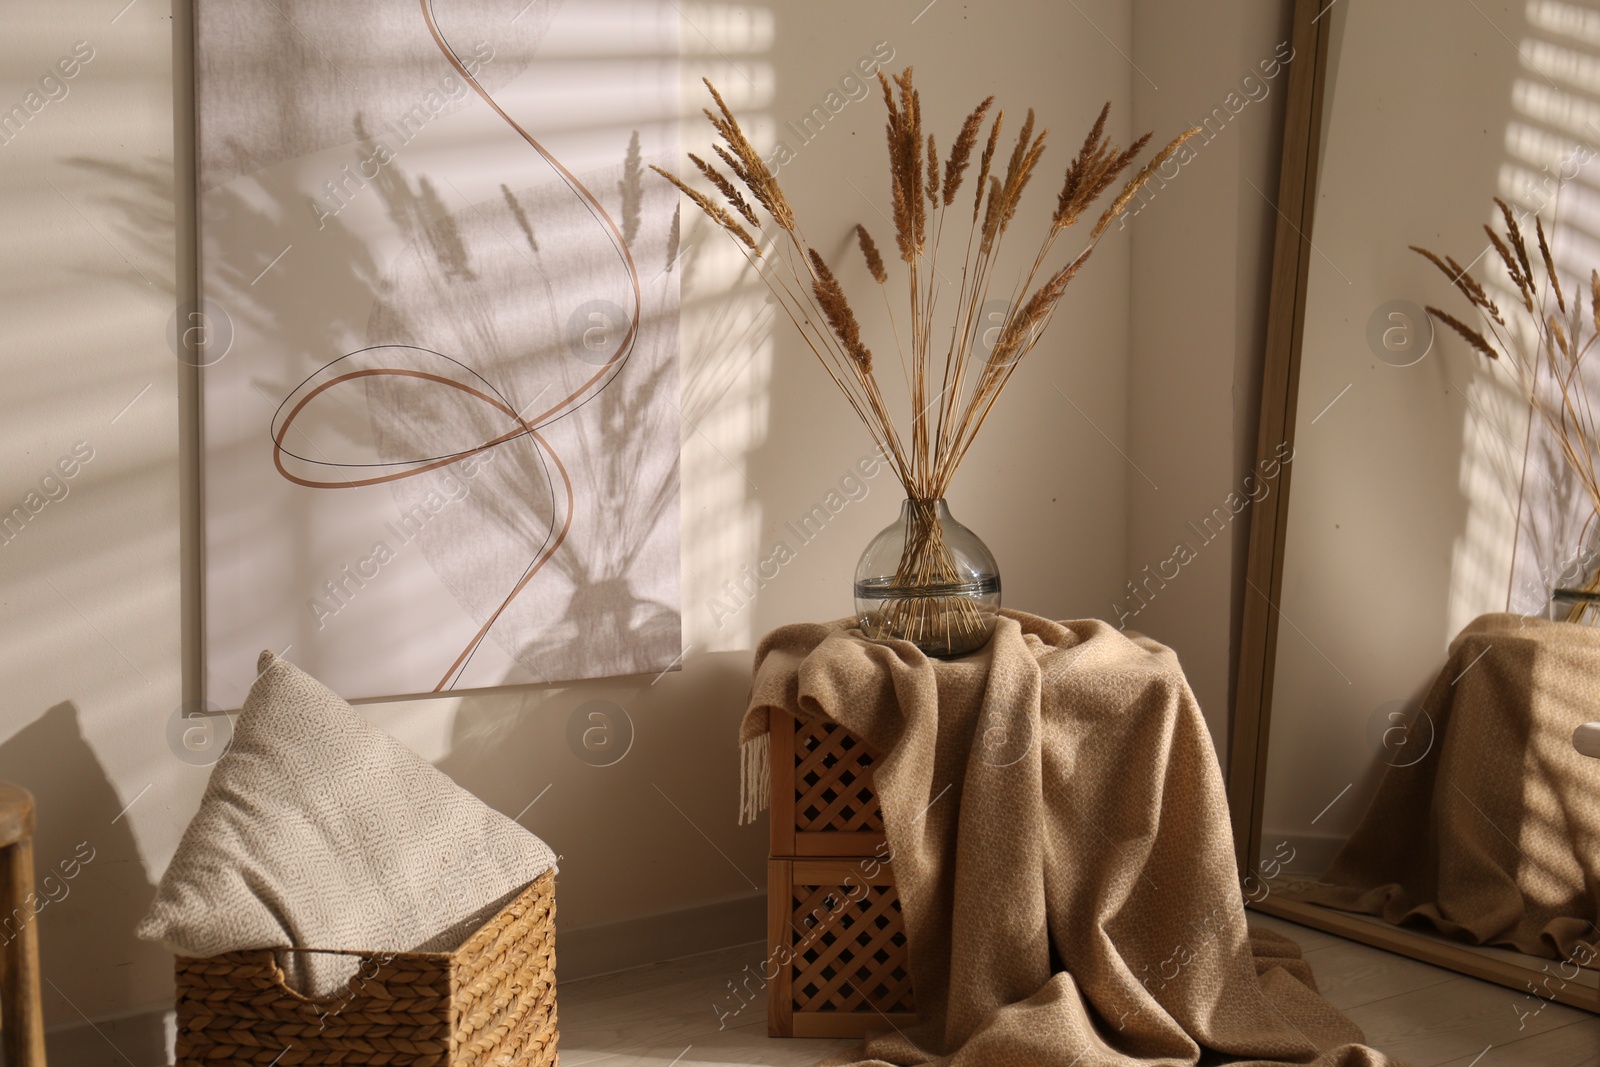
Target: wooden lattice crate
[[838, 945], [834, 929], [822, 798]]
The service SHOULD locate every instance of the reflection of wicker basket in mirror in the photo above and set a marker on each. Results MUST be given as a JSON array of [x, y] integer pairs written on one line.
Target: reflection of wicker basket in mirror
[[836, 941], [491, 1002]]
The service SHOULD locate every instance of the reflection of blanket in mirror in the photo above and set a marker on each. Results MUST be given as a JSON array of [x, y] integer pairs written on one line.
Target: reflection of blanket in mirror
[[1494, 837], [1106, 846]]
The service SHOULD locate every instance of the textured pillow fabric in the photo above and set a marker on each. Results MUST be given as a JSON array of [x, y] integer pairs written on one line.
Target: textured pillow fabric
[[318, 830]]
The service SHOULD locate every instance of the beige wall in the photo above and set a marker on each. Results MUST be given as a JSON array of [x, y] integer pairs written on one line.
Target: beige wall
[[1201, 258], [96, 592], [91, 649]]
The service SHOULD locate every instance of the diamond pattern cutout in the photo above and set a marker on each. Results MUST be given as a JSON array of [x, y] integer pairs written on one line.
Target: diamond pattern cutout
[[833, 780], [849, 954]]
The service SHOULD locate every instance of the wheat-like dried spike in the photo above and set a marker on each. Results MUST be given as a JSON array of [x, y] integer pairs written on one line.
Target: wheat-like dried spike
[[1432, 257], [911, 110], [1511, 268], [752, 170], [987, 161], [888, 95], [1560, 335], [1514, 234], [726, 188], [1098, 174], [1137, 182], [1122, 161], [903, 167], [1488, 305], [769, 196], [713, 211], [1096, 136], [991, 217], [1033, 314], [1594, 299], [731, 224], [1030, 160], [1464, 282], [1100, 170], [722, 105], [837, 309], [869, 252], [1549, 264], [1474, 290], [900, 206], [961, 152], [904, 226], [1080, 172], [1006, 348], [732, 161], [933, 172], [1471, 336], [1085, 168], [911, 104], [1020, 151]]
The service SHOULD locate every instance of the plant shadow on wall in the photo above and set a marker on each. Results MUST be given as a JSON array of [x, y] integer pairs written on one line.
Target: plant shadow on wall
[[503, 294], [490, 270], [492, 275], [480, 293], [90, 886], [138, 199]]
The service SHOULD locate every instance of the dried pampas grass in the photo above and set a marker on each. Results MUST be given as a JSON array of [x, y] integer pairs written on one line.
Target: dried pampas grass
[[950, 396], [952, 385]]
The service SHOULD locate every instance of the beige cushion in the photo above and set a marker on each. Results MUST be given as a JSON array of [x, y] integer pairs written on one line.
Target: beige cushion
[[318, 830]]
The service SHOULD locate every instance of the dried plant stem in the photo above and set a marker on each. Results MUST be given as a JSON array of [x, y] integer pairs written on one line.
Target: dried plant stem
[[938, 612], [950, 392]]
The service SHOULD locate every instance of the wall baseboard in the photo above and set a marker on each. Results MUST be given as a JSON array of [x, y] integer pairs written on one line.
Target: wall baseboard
[[145, 1039], [1313, 852], [618, 946]]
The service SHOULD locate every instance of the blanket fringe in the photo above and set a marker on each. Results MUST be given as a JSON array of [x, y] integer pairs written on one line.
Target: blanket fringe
[[755, 777]]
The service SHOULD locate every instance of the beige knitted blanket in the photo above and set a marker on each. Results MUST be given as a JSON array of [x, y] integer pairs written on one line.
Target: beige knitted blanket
[[1062, 852], [1491, 834]]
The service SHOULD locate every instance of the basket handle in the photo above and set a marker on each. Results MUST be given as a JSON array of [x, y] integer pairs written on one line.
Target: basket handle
[[385, 956], [339, 996]]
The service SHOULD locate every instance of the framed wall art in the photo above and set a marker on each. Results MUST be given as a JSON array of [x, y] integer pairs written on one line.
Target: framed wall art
[[439, 386]]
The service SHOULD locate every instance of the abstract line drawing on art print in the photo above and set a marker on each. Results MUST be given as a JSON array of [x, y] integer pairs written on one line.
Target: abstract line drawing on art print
[[442, 453]]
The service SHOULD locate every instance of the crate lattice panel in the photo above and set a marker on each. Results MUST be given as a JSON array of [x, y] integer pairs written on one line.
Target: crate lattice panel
[[833, 780], [852, 961]]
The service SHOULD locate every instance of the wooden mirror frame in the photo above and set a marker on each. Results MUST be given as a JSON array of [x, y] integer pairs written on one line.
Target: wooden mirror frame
[[1263, 587]]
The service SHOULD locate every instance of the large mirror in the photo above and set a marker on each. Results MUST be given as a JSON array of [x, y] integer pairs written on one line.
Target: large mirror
[[1404, 770]]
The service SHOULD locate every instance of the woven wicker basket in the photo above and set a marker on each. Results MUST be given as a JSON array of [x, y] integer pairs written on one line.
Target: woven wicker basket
[[490, 1002]]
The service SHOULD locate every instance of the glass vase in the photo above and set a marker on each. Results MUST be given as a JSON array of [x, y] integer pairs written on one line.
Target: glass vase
[[929, 580], [1575, 605], [1576, 596]]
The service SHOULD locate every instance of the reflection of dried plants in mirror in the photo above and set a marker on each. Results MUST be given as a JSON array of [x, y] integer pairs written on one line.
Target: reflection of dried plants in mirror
[[1536, 342]]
